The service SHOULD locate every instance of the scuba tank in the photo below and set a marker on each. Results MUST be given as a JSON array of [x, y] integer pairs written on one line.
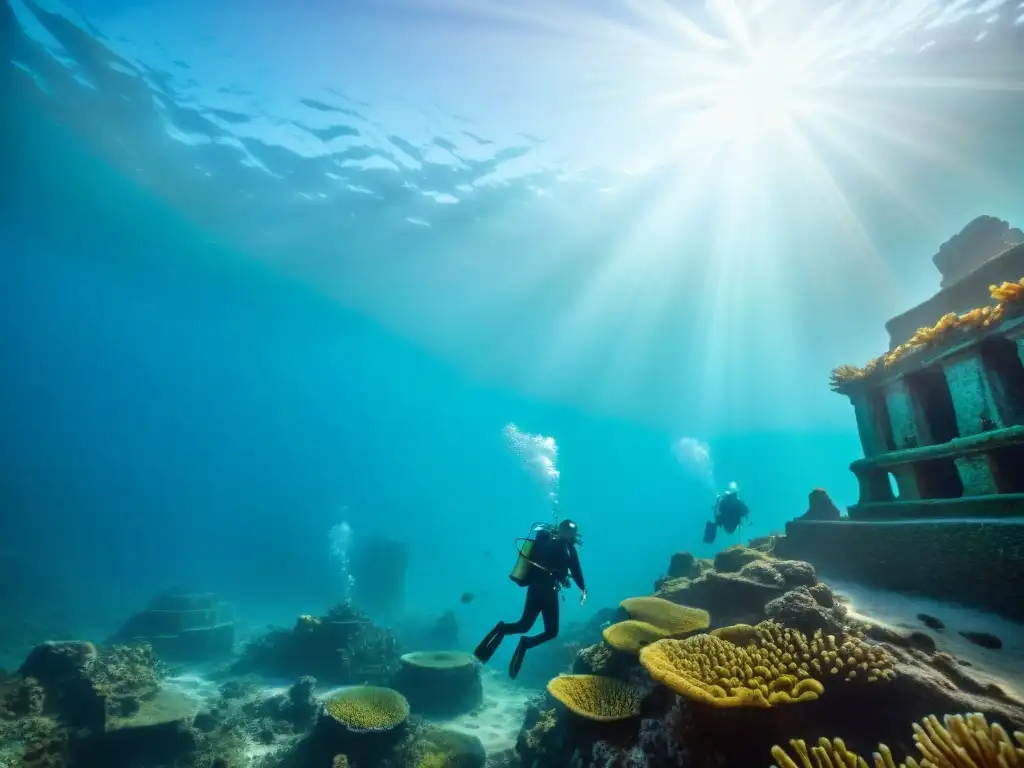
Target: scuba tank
[[521, 570]]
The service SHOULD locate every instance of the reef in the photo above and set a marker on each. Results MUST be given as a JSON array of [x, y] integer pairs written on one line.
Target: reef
[[343, 647], [676, 681]]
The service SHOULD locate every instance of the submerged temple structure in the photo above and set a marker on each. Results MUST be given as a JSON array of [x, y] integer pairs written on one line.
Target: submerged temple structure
[[941, 422]]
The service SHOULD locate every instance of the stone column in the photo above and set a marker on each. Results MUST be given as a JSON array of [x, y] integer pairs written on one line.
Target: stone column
[[976, 474], [871, 439], [906, 482], [903, 416], [873, 484], [972, 394]]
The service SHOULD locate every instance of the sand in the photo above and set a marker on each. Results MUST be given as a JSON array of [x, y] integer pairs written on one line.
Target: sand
[[899, 611]]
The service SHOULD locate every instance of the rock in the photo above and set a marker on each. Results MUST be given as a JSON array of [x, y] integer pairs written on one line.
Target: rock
[[23, 698], [820, 507], [930, 621], [732, 559], [823, 595], [182, 627], [302, 703], [683, 565], [798, 609], [783, 573], [982, 239], [730, 598], [54, 662], [984, 639]]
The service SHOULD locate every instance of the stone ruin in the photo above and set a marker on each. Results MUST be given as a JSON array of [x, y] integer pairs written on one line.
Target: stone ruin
[[182, 627], [941, 504]]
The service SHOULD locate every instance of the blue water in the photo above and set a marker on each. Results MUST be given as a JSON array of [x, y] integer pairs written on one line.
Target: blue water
[[244, 300]]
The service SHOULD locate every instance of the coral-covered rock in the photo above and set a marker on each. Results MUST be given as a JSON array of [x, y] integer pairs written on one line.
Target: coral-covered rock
[[732, 559], [182, 627], [798, 609], [341, 648], [820, 507], [683, 565]]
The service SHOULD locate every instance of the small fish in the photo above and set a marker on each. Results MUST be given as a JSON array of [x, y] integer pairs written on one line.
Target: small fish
[[930, 621], [467, 598]]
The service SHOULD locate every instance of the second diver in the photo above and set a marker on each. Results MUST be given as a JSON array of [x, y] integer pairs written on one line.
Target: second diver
[[551, 562]]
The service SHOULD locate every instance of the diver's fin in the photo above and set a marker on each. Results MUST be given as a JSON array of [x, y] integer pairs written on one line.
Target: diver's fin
[[489, 644], [710, 529], [517, 658]]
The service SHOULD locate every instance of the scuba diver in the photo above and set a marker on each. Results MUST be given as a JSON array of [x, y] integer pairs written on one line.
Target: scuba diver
[[545, 565], [730, 512]]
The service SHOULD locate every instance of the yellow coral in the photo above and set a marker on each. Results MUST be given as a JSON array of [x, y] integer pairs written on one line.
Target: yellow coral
[[368, 708], [665, 615], [1008, 298], [631, 635], [777, 666], [596, 698], [447, 749], [827, 754], [965, 741]]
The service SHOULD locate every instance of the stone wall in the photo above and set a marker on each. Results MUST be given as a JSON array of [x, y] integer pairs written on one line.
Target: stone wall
[[979, 564]]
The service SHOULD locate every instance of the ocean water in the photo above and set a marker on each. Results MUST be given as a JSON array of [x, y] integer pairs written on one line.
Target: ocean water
[[267, 268]]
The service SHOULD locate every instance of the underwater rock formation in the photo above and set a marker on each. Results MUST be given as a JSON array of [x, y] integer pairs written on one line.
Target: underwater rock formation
[[982, 239], [341, 648], [820, 507], [724, 699], [182, 627]]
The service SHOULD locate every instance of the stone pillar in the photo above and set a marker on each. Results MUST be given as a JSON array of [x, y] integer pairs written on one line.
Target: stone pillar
[[871, 439], [903, 416], [976, 474], [906, 482], [972, 394], [873, 484]]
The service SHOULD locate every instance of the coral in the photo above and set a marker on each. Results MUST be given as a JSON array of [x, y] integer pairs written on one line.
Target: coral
[[367, 708], [716, 672], [666, 615], [534, 736], [826, 754], [1009, 298], [343, 647], [732, 559], [780, 666], [965, 741], [594, 659], [800, 610], [602, 699], [440, 683], [630, 636], [443, 748], [737, 634]]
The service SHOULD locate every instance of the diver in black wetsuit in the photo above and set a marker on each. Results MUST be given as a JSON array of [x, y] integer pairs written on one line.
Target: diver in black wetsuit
[[730, 513], [553, 560]]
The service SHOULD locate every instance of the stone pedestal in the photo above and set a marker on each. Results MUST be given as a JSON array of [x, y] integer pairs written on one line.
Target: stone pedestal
[[183, 627]]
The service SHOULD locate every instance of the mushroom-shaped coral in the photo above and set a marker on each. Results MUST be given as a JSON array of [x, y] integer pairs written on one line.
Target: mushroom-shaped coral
[[630, 636], [367, 709], [440, 683], [674, 619], [716, 672], [737, 634], [603, 699]]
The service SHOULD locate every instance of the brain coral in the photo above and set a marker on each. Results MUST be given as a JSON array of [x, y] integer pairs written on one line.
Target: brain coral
[[366, 708], [603, 699], [673, 618], [779, 666]]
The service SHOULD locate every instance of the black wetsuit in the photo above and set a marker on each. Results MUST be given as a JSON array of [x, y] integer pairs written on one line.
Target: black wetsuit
[[558, 561], [730, 512]]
